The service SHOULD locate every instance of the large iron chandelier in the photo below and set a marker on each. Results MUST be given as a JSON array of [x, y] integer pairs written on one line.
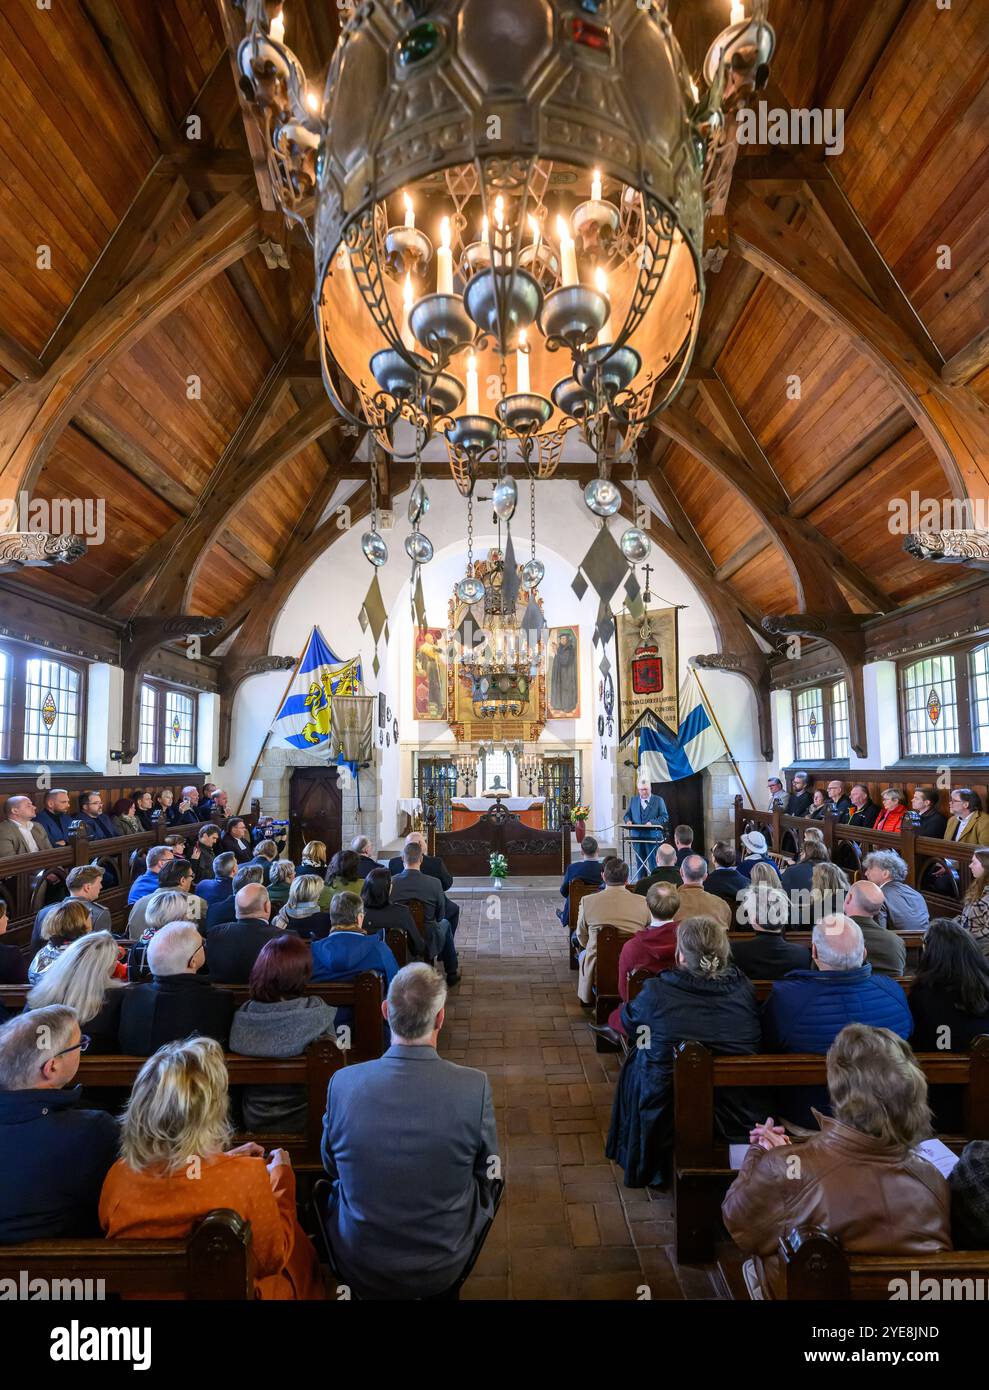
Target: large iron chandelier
[[508, 199]]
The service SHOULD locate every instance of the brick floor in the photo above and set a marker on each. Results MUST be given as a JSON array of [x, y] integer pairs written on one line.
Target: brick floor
[[567, 1227]]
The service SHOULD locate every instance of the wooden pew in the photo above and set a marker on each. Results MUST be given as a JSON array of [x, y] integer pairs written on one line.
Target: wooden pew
[[912, 940], [578, 889], [637, 979], [606, 995], [700, 1163], [815, 1267], [213, 1263]]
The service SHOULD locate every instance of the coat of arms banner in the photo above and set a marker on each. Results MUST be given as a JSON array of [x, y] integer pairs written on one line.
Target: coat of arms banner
[[648, 672]]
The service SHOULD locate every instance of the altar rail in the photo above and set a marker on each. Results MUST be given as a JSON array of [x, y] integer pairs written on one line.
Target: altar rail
[[848, 845]]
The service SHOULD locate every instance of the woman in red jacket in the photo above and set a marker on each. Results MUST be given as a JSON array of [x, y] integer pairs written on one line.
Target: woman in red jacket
[[894, 809]]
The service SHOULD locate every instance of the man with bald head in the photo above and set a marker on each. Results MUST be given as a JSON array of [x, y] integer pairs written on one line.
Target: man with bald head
[[433, 867], [864, 903], [18, 832], [233, 947], [695, 900]]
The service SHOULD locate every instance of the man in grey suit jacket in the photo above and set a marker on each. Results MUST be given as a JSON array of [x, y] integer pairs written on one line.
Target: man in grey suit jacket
[[18, 833], [410, 1145], [412, 885]]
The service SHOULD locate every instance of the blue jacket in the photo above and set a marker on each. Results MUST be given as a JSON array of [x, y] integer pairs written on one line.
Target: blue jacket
[[807, 1009], [143, 885], [215, 890], [655, 811], [99, 827], [584, 871], [55, 827], [344, 954]]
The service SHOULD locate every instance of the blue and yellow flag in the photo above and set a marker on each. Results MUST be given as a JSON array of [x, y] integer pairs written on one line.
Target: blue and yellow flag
[[305, 715]]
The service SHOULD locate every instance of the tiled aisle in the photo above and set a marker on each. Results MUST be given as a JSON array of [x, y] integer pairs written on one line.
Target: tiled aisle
[[567, 1227]]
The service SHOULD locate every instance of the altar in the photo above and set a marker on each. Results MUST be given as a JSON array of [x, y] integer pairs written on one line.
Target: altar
[[468, 810]]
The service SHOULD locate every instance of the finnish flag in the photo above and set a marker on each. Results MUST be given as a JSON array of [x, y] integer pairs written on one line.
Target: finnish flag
[[663, 758]]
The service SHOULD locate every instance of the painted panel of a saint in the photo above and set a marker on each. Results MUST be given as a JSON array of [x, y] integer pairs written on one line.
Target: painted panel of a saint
[[429, 674], [563, 671]]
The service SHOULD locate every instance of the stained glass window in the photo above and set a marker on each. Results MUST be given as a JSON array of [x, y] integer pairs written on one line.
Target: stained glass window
[[930, 706], [979, 672], [810, 723], [52, 723], [177, 744], [839, 720]]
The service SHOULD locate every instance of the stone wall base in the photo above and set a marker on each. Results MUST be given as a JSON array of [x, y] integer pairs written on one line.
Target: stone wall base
[[719, 802]]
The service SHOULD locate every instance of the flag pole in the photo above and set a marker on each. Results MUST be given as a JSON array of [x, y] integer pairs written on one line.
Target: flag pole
[[257, 760], [731, 756]]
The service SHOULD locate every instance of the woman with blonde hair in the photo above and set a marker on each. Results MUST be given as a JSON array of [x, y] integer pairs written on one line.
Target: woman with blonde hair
[[176, 1128], [314, 862], [86, 977], [765, 876], [706, 999], [975, 911], [67, 923], [859, 1178], [280, 881], [304, 913], [829, 887]]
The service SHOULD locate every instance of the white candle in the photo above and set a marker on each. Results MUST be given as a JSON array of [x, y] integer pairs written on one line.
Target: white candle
[[522, 366], [473, 395], [737, 12], [537, 236], [408, 337], [276, 28], [444, 260], [568, 253], [410, 212], [596, 187], [601, 285]]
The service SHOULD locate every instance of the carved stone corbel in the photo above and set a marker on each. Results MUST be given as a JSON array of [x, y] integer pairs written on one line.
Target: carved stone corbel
[[231, 679], [845, 633], [39, 550], [139, 640], [754, 666], [950, 547]]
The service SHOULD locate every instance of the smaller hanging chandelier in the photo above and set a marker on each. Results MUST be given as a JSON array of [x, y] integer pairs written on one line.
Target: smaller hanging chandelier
[[503, 664]]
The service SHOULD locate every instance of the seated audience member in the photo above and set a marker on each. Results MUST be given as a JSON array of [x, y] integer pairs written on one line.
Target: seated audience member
[[858, 1179], [666, 871], [768, 956], [93, 819], [894, 809], [265, 855], [884, 950], [123, 814], [756, 851], [178, 1108], [838, 804], [433, 867], [176, 843], [204, 850], [188, 807], [818, 804], [587, 869], [302, 913], [695, 901], [683, 842], [906, 909], [313, 858], [763, 902], [165, 806], [144, 809], [408, 1121], [968, 1183], [705, 999], [221, 886], [55, 818], [950, 995], [177, 1001], [927, 819], [613, 906], [829, 886], [863, 810], [214, 806], [225, 909], [349, 950], [799, 801], [280, 881], [87, 979], [67, 922], [54, 1154], [364, 850], [84, 884], [19, 832], [13, 964], [175, 877], [343, 873], [167, 905], [652, 950], [158, 857], [233, 947], [724, 880], [279, 1020], [799, 877], [381, 914], [765, 876], [975, 909], [237, 840], [777, 794], [968, 824], [413, 884]]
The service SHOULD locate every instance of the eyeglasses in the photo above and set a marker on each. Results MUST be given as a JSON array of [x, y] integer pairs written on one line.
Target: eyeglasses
[[200, 949], [82, 1045]]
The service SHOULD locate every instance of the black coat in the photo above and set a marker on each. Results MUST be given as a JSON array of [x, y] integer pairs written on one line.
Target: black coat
[[798, 877], [866, 817], [396, 915], [13, 966], [727, 884], [660, 875], [219, 911], [431, 865], [932, 1009], [172, 1007], [678, 1007], [233, 947], [768, 956], [799, 803], [933, 825], [54, 1156], [244, 852], [103, 1029], [367, 865]]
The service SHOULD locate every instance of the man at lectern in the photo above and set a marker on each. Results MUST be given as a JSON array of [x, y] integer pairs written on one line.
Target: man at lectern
[[649, 814]]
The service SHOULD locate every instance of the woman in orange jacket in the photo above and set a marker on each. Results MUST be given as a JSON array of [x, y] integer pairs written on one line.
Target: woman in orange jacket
[[174, 1170], [894, 809]]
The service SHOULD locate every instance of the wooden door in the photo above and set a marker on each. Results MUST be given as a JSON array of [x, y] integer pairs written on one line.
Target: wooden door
[[315, 810]]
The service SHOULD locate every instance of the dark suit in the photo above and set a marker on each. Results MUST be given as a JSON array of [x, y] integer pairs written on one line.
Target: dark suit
[[659, 875], [215, 890], [233, 947], [412, 885], [866, 817], [584, 871], [173, 1007], [219, 911], [654, 815], [933, 825], [368, 865], [99, 827], [433, 867], [727, 884], [769, 956], [243, 850], [13, 967], [799, 803], [58, 828], [408, 1122]]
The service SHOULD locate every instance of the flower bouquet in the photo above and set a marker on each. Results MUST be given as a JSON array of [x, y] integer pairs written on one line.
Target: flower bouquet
[[579, 816], [499, 870]]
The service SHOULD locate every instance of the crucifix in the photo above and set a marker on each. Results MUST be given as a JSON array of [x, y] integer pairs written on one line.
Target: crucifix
[[646, 595]]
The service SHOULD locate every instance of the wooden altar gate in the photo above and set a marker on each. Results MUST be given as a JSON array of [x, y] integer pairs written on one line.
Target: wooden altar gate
[[529, 852]]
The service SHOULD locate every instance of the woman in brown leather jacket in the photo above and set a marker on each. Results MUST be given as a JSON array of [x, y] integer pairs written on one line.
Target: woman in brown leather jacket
[[858, 1178]]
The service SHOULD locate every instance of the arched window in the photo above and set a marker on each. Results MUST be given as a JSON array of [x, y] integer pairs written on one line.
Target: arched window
[[820, 722], [929, 694], [168, 726], [42, 707]]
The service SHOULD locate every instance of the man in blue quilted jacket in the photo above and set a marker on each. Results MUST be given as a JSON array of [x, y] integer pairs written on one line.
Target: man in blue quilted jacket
[[807, 1009]]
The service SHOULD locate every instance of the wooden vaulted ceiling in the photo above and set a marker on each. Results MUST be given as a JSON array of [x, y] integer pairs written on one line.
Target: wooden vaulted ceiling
[[165, 267]]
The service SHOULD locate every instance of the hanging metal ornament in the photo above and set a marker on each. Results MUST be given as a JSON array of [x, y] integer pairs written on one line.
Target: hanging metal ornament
[[418, 547], [636, 545], [470, 589], [372, 543], [533, 571], [603, 497], [418, 503], [505, 497]]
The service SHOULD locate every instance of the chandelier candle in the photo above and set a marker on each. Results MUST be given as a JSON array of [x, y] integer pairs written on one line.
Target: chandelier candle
[[444, 260], [410, 212], [568, 253]]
